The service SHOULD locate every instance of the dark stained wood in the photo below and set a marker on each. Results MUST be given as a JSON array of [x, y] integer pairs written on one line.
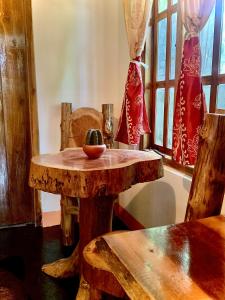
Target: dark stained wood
[[184, 261], [208, 182], [96, 223], [4, 211], [18, 105], [31, 93]]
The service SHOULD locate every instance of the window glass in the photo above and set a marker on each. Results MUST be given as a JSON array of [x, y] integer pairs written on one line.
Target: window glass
[[160, 96], [207, 90], [221, 97], [170, 118], [148, 60], [162, 5], [161, 50], [206, 41], [222, 57], [173, 45], [174, 2]]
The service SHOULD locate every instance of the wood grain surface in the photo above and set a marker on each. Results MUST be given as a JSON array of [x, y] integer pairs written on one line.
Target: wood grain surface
[[18, 122], [208, 183], [97, 183], [81, 120], [184, 261], [71, 173]]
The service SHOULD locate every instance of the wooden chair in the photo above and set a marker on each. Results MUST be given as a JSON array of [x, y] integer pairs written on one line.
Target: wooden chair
[[74, 126], [205, 200]]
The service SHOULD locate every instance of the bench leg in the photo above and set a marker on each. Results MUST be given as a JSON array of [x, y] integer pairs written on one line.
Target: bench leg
[[86, 292]]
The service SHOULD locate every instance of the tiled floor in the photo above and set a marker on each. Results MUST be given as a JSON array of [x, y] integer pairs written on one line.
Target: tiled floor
[[31, 247]]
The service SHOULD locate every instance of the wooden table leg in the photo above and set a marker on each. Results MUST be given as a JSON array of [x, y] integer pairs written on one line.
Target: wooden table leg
[[95, 220], [65, 267]]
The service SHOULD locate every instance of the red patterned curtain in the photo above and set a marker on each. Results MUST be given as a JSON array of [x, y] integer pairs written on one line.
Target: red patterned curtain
[[190, 101], [133, 120]]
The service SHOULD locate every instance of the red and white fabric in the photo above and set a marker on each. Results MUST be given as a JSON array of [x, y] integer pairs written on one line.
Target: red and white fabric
[[190, 101], [133, 121]]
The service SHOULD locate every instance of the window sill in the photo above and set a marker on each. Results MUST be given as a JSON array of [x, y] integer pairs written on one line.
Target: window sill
[[187, 170]]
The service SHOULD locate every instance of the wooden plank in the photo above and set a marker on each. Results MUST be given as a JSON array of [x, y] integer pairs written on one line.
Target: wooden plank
[[66, 111], [4, 210], [32, 98], [184, 261], [208, 182], [15, 102]]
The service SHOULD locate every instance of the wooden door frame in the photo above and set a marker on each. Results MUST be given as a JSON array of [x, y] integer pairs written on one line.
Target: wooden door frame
[[32, 99]]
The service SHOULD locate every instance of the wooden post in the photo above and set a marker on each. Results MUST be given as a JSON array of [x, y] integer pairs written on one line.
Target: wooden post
[[67, 219], [107, 112], [66, 110], [208, 183]]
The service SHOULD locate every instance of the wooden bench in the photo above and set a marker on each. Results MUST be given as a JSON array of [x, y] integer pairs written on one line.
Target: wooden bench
[[205, 198]]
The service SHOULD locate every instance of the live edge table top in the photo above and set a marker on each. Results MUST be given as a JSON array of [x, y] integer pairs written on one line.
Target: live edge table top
[[72, 173]]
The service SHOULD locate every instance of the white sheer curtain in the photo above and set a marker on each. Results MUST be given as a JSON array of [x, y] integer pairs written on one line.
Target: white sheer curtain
[[133, 120], [137, 16], [194, 14]]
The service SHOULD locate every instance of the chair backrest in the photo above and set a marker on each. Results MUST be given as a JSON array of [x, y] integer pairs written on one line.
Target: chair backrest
[[208, 182], [74, 125]]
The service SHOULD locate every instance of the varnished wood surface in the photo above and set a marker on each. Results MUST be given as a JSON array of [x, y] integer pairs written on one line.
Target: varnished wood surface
[[81, 120], [97, 183], [33, 113], [19, 140], [208, 183], [71, 173], [184, 261]]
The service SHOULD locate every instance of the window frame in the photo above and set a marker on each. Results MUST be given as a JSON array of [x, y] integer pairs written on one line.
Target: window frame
[[214, 80]]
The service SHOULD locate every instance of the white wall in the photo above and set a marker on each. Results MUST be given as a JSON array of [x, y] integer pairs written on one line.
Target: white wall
[[160, 202], [81, 56]]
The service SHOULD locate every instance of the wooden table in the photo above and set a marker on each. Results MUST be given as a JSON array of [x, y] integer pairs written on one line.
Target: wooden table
[[97, 183], [184, 261]]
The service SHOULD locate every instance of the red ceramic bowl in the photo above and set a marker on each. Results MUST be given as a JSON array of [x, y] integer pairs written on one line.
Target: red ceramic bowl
[[94, 151]]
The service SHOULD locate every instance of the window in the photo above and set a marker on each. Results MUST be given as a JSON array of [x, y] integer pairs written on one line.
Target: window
[[163, 55]]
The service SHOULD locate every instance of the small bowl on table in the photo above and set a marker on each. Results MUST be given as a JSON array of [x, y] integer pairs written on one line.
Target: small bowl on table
[[94, 151]]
